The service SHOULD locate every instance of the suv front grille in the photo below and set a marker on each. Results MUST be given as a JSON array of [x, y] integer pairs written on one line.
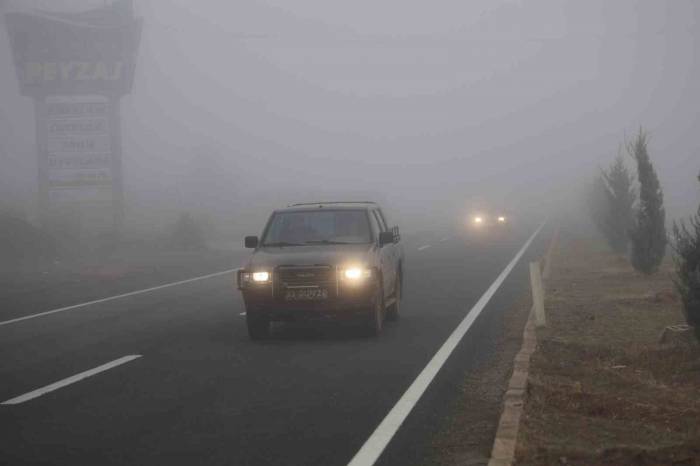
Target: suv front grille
[[317, 275]]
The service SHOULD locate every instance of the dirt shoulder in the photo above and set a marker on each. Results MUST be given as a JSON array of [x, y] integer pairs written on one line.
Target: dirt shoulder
[[602, 390]]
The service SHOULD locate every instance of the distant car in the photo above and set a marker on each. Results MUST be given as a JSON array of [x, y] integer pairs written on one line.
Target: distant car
[[488, 220], [337, 260]]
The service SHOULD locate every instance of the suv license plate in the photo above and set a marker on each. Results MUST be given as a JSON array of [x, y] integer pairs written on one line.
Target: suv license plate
[[306, 294]]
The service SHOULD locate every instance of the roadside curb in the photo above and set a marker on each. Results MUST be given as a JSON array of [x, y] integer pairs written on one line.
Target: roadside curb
[[503, 452]]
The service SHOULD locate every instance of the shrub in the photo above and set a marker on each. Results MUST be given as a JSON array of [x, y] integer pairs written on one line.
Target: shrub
[[597, 202], [187, 234], [648, 233], [687, 245], [619, 208], [22, 243]]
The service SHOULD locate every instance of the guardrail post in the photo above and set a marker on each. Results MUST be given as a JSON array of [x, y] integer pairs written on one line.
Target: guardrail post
[[548, 255], [537, 294]]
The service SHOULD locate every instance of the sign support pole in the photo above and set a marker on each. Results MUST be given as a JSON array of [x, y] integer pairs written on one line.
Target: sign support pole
[[117, 175], [42, 160]]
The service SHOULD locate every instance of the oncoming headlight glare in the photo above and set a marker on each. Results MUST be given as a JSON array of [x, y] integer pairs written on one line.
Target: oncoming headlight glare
[[478, 219], [501, 219], [261, 276], [356, 273]]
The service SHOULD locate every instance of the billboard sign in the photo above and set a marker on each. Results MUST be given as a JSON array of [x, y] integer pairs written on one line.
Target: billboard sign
[[74, 54], [78, 149], [76, 65]]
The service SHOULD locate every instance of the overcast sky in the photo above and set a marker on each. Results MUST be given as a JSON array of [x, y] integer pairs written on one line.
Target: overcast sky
[[423, 103]]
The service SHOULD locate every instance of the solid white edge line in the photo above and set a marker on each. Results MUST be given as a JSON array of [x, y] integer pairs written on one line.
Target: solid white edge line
[[76, 378], [424, 247], [124, 295], [382, 435]]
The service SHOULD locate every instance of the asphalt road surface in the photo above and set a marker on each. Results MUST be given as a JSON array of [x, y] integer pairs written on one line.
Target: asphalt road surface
[[186, 385]]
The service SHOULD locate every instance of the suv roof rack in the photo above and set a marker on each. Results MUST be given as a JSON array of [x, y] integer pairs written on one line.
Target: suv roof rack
[[332, 202]]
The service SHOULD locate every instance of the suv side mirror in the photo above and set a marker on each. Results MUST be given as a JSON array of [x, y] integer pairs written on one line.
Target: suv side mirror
[[251, 242], [397, 235], [386, 237]]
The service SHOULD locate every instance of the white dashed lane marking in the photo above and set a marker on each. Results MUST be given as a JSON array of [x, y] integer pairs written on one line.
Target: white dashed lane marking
[[76, 378], [111, 298]]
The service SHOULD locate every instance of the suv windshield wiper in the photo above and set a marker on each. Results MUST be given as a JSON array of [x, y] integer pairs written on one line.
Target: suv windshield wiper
[[282, 243], [327, 241]]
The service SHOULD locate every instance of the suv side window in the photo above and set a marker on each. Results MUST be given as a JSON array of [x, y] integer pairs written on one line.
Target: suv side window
[[380, 221], [376, 228], [383, 218]]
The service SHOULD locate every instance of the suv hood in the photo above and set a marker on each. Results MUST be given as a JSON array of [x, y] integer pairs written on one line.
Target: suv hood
[[325, 254]]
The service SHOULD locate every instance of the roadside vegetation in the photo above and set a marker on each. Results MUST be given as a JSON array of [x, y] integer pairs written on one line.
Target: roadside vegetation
[[22, 244], [187, 234], [631, 217], [613, 204], [603, 386], [648, 234], [687, 246], [632, 225]]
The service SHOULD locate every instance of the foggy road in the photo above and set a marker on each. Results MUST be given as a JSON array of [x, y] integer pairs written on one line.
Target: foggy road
[[179, 178], [187, 385]]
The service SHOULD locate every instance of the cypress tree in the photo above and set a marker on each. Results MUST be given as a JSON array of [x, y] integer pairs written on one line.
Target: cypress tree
[[620, 197], [687, 246], [648, 233]]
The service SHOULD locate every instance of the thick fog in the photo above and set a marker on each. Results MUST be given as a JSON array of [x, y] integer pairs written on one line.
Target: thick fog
[[427, 107]]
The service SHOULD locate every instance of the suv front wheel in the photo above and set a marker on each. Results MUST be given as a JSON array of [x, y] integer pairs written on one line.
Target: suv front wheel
[[258, 325], [393, 310], [375, 321]]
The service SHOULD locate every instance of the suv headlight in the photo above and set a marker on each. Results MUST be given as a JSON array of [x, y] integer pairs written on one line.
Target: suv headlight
[[260, 277], [356, 274]]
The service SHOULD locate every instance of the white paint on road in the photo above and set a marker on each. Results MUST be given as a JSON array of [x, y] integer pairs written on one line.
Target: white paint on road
[[76, 378], [424, 247], [442, 240], [243, 314], [380, 438], [111, 298]]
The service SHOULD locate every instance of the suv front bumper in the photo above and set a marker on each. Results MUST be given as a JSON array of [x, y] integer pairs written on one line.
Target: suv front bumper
[[346, 301]]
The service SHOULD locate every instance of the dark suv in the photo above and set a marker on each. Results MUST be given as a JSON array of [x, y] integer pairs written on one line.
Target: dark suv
[[323, 260]]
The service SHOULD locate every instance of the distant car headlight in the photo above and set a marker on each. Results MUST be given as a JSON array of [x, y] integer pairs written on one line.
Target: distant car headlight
[[356, 273], [501, 219], [478, 219], [261, 277]]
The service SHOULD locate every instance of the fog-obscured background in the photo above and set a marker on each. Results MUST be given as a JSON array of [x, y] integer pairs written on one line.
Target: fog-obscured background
[[427, 107]]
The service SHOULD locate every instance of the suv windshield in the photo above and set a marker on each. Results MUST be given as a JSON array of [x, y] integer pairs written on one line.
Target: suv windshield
[[318, 227]]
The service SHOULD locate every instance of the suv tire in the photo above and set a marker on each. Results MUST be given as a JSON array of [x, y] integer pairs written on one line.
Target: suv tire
[[393, 310], [258, 326], [375, 321]]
